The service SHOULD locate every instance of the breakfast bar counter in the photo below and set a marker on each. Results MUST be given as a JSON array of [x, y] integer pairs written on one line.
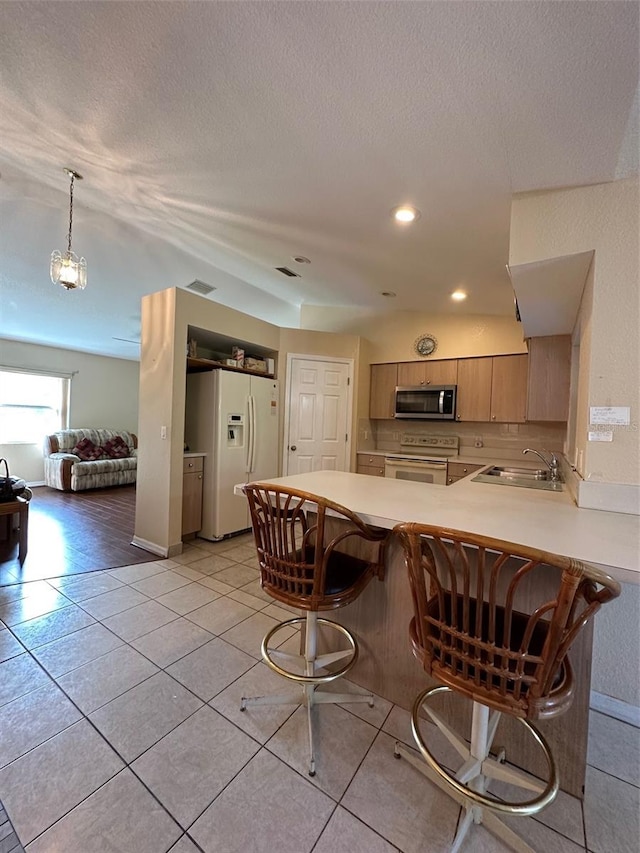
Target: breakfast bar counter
[[546, 520]]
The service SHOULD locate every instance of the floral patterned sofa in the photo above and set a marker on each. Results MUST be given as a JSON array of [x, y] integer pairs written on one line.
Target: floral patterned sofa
[[79, 459]]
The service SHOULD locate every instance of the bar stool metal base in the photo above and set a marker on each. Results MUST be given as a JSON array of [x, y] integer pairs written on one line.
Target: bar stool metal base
[[468, 786], [311, 678]]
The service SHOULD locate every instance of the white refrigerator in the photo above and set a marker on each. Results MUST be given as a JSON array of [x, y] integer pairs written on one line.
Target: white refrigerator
[[233, 418]]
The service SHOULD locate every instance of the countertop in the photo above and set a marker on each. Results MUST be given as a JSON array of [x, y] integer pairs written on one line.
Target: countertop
[[547, 520]]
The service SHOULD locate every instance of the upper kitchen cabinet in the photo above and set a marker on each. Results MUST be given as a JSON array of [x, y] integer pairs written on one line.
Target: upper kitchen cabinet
[[474, 389], [493, 388], [509, 389], [444, 372], [549, 376], [384, 378]]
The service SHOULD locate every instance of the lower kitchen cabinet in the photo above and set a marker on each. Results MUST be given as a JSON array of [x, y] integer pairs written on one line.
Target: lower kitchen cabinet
[[192, 494], [371, 464], [459, 470]]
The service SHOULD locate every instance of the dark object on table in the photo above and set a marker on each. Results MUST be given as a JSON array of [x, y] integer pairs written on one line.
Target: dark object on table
[[10, 487]]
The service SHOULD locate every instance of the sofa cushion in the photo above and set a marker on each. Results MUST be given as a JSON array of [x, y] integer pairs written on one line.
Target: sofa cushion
[[87, 450], [116, 448], [104, 466], [68, 438]]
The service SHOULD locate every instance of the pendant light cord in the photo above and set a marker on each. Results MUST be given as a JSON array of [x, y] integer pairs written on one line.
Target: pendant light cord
[[73, 177]]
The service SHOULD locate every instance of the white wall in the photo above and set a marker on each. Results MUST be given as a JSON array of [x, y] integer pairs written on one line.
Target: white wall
[[616, 648], [604, 218], [166, 316], [104, 393], [391, 336]]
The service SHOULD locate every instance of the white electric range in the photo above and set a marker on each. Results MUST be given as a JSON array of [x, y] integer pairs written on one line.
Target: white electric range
[[428, 461]]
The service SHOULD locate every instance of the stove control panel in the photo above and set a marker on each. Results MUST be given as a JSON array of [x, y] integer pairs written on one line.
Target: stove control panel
[[442, 445]]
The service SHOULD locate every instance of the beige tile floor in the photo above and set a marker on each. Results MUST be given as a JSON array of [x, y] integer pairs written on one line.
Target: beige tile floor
[[120, 730]]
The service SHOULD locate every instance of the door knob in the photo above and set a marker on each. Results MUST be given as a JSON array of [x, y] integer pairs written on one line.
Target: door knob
[[293, 447]]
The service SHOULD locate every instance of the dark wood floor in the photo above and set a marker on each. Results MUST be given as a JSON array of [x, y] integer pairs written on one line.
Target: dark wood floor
[[73, 532]]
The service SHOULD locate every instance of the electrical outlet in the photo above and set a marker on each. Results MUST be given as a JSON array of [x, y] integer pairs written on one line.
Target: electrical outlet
[[163, 432], [477, 442]]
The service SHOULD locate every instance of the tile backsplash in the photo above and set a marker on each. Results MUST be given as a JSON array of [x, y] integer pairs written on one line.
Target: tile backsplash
[[502, 441]]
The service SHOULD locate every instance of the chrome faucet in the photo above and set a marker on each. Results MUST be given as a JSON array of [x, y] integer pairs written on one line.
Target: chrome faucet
[[551, 464]]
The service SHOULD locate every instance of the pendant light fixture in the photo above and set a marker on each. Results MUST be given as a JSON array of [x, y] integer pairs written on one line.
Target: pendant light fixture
[[67, 269]]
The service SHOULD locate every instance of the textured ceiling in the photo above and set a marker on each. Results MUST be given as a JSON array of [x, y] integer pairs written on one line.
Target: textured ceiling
[[219, 139]]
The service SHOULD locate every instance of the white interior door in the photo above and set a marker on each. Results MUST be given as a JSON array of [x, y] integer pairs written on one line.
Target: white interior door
[[319, 407]]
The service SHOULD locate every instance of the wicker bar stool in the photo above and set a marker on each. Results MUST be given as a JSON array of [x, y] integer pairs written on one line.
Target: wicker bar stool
[[302, 564], [483, 628]]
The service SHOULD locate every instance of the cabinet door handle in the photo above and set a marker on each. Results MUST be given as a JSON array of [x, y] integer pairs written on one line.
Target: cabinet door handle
[[459, 417], [199, 476], [422, 381], [493, 417], [428, 382]]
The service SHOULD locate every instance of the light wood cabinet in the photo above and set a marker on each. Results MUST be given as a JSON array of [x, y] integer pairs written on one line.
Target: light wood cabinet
[[549, 377], [192, 494], [509, 389], [444, 372], [384, 378], [493, 389], [490, 388], [370, 463], [474, 389], [459, 470]]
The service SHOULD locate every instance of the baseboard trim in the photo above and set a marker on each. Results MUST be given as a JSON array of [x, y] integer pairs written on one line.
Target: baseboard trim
[[615, 708], [160, 550]]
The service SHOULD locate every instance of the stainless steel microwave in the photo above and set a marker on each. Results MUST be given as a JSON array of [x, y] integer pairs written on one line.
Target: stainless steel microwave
[[426, 402]]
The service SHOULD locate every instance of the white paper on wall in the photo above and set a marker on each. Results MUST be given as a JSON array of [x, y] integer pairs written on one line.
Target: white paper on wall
[[620, 415], [604, 435]]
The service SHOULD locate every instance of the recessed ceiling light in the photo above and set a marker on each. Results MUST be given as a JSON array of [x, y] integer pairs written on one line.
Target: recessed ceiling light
[[405, 214], [300, 259], [458, 295], [388, 293]]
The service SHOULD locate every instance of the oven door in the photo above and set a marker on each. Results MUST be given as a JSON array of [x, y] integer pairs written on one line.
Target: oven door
[[420, 472]]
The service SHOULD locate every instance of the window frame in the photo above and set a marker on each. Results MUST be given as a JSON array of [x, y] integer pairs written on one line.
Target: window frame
[[64, 401]]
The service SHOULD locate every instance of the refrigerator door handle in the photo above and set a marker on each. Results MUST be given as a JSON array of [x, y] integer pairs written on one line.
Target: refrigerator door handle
[[252, 438]]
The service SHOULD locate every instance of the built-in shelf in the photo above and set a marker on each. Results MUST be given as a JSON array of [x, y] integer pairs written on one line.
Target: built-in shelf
[[199, 365]]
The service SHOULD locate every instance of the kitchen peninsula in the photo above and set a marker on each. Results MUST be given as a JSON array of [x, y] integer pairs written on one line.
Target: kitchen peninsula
[[547, 520]]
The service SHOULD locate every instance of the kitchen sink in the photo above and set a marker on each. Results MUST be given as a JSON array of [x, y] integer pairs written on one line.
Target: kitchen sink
[[521, 473], [528, 478]]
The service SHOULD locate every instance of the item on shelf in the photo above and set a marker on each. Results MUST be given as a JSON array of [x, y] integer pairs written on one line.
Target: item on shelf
[[229, 362], [238, 354], [258, 364], [192, 349], [271, 365]]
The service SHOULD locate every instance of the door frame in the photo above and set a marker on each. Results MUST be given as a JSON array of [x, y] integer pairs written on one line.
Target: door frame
[[294, 356]]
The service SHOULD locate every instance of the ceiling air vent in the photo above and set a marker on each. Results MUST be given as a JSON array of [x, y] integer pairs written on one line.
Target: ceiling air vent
[[200, 287], [287, 271]]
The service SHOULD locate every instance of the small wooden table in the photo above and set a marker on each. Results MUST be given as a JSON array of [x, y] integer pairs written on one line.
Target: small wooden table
[[21, 507]]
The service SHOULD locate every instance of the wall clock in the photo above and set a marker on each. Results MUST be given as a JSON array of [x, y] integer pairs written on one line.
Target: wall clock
[[425, 345]]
